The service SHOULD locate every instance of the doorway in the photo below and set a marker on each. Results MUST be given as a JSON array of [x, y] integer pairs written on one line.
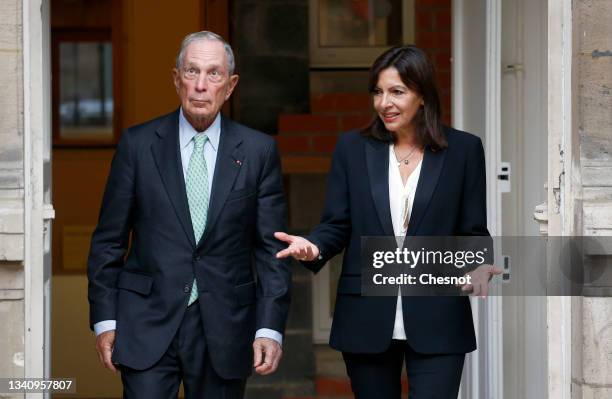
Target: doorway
[[499, 52], [142, 57]]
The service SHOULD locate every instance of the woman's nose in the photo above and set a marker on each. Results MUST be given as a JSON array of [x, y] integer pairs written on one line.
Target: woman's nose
[[385, 101]]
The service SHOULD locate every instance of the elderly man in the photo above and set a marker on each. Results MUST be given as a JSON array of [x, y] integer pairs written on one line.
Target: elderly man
[[200, 296]]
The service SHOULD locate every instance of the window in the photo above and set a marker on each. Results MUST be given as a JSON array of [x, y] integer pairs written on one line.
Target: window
[[352, 33], [85, 97], [85, 71]]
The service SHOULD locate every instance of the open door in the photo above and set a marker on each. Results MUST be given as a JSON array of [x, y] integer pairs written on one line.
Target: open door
[[499, 94], [476, 78]]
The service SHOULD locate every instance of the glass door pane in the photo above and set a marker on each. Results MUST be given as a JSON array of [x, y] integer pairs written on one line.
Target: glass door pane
[[86, 90]]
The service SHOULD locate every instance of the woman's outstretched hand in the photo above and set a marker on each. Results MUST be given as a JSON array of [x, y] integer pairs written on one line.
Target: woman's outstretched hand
[[480, 278], [299, 247]]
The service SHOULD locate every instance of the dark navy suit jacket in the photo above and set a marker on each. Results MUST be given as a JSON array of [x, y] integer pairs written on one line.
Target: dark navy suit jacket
[[242, 286], [450, 200]]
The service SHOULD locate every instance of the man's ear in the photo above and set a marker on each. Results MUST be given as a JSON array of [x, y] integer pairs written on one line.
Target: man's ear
[[233, 81], [176, 78]]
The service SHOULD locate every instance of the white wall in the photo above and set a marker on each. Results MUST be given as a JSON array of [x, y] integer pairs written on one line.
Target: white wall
[[469, 70]]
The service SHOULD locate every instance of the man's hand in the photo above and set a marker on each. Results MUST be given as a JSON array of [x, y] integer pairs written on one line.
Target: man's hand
[[267, 355], [480, 278], [299, 247], [104, 346]]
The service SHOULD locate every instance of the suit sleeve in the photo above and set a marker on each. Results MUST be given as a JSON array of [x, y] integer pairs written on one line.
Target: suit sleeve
[[332, 234], [473, 218], [273, 275], [110, 239]]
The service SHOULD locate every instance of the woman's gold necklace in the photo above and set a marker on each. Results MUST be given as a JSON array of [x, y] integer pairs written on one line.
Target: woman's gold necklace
[[406, 159]]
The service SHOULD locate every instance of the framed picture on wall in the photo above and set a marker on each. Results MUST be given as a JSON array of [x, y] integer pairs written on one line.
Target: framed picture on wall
[[352, 33]]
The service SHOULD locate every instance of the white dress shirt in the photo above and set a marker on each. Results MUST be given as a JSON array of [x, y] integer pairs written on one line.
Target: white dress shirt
[[186, 144], [398, 192]]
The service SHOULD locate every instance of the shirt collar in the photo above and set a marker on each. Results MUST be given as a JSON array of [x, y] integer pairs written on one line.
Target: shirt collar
[[187, 132]]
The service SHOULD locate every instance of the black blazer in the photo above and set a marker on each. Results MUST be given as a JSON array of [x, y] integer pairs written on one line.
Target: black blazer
[[450, 200], [242, 286]]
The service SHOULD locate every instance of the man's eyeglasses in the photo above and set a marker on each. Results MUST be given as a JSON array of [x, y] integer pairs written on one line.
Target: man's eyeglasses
[[193, 73]]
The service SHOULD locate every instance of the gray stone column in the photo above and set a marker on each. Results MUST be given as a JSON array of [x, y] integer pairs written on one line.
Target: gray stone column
[[11, 191], [592, 41]]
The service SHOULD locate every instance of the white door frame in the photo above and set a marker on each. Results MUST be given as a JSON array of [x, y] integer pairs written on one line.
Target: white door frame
[[483, 377], [493, 367], [38, 211], [562, 153]]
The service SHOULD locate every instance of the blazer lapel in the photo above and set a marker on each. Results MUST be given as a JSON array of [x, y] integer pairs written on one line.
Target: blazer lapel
[[428, 179], [167, 155], [229, 161], [377, 159]]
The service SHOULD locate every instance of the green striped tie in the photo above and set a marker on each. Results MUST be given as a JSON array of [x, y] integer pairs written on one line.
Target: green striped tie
[[197, 195]]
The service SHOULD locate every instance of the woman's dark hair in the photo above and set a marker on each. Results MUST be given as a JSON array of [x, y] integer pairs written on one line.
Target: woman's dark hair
[[418, 74]]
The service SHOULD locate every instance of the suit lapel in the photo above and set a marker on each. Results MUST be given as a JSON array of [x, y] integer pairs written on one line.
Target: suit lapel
[[229, 161], [377, 159], [428, 179], [167, 155]]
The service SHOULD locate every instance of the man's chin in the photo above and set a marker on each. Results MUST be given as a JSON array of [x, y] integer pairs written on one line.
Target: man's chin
[[205, 112], [199, 118]]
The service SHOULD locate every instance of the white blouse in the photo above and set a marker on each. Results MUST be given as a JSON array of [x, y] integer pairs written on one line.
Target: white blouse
[[401, 198]]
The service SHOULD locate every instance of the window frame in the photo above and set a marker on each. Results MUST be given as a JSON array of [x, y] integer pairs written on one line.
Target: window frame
[[353, 56], [60, 35]]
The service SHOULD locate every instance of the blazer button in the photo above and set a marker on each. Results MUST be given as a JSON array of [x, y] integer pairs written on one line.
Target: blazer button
[[187, 289], [197, 257]]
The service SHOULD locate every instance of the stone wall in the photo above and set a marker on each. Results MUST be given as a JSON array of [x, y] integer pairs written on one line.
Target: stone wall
[[11, 191], [593, 112]]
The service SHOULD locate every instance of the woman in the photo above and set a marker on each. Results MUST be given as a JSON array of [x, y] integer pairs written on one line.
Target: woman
[[404, 175]]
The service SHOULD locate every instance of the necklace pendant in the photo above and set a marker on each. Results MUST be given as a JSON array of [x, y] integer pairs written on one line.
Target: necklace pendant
[[406, 162]]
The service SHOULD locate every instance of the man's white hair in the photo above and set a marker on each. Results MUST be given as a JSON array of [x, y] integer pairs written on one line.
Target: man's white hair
[[206, 35]]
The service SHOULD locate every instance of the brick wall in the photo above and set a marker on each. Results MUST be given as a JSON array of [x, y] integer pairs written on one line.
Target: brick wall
[[316, 133], [433, 35]]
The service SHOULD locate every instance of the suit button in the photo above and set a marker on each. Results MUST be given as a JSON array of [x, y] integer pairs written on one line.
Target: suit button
[[187, 288], [197, 257]]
